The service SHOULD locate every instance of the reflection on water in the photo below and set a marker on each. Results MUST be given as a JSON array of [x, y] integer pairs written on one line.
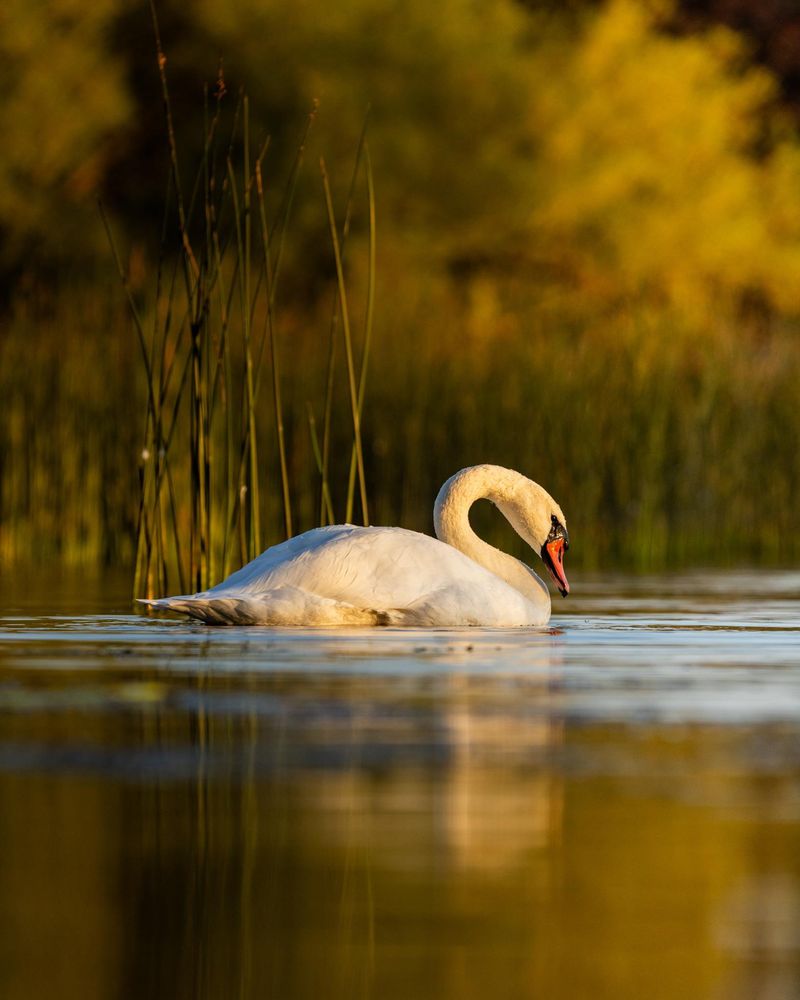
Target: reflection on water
[[610, 808]]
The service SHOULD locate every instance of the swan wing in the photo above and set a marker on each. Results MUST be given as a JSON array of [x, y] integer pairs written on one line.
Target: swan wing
[[380, 567], [281, 606]]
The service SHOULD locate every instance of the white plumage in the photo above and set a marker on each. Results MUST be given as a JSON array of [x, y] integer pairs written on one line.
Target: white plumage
[[347, 575]]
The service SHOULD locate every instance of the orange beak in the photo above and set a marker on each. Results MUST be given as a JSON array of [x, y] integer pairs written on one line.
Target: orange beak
[[553, 556]]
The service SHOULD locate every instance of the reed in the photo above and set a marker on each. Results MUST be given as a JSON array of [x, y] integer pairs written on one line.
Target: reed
[[665, 449], [340, 308], [348, 345], [368, 326], [215, 325]]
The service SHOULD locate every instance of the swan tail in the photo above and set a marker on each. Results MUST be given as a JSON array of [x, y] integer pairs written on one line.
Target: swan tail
[[284, 606], [211, 610]]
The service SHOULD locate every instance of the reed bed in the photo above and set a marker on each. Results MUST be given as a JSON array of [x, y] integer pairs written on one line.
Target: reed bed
[[664, 449], [209, 340]]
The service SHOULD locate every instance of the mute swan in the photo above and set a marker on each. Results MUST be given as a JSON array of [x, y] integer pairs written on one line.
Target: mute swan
[[346, 575]]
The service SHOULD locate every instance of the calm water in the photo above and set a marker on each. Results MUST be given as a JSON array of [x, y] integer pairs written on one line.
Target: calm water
[[608, 809]]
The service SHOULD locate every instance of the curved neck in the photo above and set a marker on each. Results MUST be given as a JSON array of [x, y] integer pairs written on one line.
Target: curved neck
[[451, 523]]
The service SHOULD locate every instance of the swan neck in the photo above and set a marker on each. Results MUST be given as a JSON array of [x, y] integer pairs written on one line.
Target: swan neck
[[451, 511], [452, 525]]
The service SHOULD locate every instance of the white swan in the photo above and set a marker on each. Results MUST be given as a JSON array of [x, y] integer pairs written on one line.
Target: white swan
[[346, 575]]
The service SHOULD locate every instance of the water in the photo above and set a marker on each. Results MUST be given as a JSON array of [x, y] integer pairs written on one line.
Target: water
[[610, 808]]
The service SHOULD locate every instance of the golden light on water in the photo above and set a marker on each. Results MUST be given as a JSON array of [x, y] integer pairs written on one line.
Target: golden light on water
[[195, 813]]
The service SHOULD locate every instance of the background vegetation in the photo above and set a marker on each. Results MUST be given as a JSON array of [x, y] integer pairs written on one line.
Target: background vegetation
[[588, 260]]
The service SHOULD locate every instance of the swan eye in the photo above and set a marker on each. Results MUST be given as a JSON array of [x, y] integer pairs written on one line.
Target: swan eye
[[557, 530]]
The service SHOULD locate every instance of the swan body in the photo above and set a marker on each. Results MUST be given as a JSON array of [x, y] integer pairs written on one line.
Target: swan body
[[348, 575]]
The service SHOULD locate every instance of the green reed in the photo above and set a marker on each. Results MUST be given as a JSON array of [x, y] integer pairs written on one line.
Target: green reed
[[348, 343], [663, 448], [214, 326]]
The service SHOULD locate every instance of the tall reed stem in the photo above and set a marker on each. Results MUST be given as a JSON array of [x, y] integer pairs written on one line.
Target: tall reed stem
[[348, 343], [276, 379], [362, 380]]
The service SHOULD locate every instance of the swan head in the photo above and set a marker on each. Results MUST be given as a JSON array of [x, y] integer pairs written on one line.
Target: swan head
[[529, 509], [538, 519], [552, 552]]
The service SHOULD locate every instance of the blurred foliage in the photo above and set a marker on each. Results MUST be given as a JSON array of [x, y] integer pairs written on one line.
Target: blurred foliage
[[665, 172], [64, 101], [449, 85], [448, 89], [581, 148], [772, 28], [663, 448], [589, 250]]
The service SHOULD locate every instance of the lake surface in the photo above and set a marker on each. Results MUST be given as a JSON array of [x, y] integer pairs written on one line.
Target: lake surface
[[606, 809]]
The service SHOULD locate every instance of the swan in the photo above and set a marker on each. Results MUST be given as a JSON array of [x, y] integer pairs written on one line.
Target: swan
[[348, 575]]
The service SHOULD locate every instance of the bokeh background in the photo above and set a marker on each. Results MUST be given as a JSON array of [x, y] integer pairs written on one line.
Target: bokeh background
[[588, 258]]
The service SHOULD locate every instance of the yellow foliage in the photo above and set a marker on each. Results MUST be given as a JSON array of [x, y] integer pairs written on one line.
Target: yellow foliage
[[597, 153], [633, 162], [653, 174]]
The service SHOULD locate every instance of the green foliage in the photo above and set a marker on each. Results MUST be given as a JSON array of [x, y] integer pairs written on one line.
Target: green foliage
[[449, 85], [64, 98]]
